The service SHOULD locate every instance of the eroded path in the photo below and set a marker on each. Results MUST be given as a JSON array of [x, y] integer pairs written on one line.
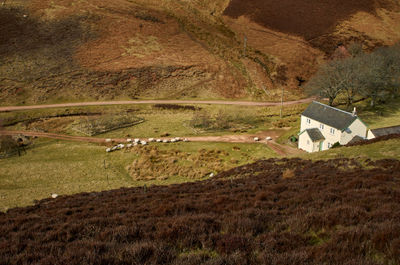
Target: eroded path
[[132, 102], [281, 150]]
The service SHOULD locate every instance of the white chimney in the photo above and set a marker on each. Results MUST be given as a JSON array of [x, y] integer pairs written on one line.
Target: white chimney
[[354, 112]]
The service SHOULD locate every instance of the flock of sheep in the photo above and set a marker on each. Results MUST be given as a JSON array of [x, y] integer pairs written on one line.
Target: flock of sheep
[[135, 142]]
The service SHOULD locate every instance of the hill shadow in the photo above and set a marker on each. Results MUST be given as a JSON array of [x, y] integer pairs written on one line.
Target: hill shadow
[[30, 48], [309, 19]]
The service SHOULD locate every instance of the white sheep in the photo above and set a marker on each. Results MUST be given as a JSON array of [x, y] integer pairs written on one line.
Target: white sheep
[[269, 138], [54, 195], [173, 140], [128, 140], [129, 145], [135, 144], [121, 146], [143, 142], [158, 140], [108, 140], [137, 140], [256, 139], [108, 150], [114, 148], [165, 141], [177, 139], [186, 140], [151, 140]]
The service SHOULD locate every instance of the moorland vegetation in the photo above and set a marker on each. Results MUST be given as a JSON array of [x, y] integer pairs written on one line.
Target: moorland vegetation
[[87, 50], [287, 211]]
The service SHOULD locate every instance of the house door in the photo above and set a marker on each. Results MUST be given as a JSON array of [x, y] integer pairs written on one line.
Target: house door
[[321, 144]]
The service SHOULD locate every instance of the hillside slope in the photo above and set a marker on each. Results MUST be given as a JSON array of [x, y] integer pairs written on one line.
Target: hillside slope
[[288, 211], [83, 50]]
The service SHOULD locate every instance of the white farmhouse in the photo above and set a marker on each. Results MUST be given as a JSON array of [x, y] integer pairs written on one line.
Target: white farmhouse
[[322, 126]]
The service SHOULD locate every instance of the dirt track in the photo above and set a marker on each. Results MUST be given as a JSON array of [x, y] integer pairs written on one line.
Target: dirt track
[[279, 149], [129, 102]]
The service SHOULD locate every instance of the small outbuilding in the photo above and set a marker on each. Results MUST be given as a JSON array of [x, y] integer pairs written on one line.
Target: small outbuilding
[[373, 133], [311, 140]]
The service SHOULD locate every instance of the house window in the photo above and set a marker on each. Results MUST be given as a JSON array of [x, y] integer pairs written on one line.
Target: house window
[[308, 121], [332, 131], [321, 126]]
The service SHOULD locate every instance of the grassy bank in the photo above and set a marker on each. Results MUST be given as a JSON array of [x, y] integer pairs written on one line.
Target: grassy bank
[[52, 166], [380, 150], [215, 119]]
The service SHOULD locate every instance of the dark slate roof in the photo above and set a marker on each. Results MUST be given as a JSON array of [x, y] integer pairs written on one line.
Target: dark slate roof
[[386, 131], [356, 139], [315, 134], [330, 116]]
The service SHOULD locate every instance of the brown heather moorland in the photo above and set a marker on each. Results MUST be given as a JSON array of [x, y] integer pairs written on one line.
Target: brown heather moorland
[[309, 19], [276, 211], [96, 50]]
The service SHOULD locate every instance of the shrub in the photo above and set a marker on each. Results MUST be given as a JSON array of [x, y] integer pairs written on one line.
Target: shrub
[[175, 107], [201, 119], [336, 145], [8, 146]]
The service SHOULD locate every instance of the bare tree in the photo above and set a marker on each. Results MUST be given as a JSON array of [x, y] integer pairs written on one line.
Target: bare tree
[[351, 78], [329, 81], [375, 76], [380, 74]]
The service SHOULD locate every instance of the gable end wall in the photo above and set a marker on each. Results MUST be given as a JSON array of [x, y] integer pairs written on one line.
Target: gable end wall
[[356, 128]]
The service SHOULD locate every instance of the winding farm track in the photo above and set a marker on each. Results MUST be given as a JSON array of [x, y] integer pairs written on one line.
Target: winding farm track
[[281, 150], [278, 148], [156, 101]]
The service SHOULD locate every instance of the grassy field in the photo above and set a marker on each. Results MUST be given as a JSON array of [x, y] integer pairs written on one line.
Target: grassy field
[[238, 119], [52, 166], [379, 150], [383, 115], [65, 168]]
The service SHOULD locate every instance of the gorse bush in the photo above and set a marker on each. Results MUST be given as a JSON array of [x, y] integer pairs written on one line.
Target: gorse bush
[[8, 146]]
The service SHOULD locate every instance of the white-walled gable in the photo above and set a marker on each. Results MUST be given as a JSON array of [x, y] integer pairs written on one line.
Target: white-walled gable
[[357, 128], [305, 142], [370, 135]]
